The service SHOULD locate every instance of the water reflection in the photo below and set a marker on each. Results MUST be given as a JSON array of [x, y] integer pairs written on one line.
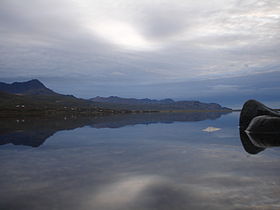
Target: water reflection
[[147, 192], [160, 166], [34, 131]]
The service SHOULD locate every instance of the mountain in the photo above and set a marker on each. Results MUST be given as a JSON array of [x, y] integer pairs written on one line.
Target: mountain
[[33, 97], [11, 104], [32, 87], [115, 102]]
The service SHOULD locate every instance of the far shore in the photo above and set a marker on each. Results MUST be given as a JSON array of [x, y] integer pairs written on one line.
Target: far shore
[[93, 113]]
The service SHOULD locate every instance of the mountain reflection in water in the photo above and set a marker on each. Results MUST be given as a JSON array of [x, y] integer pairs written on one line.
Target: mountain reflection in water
[[34, 131]]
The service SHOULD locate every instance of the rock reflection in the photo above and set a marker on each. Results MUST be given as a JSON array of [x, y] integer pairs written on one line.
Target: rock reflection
[[254, 143], [34, 131], [248, 146]]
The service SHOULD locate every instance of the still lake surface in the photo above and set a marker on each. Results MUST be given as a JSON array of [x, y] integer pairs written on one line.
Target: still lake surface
[[135, 162]]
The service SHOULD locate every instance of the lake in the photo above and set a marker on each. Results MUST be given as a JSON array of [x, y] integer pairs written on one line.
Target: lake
[[172, 161]]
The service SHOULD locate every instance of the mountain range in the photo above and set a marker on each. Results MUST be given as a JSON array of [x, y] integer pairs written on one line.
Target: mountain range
[[34, 96], [152, 104]]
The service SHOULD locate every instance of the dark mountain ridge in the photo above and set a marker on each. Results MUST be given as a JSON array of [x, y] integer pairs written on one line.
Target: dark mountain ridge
[[152, 104], [32, 87], [119, 100]]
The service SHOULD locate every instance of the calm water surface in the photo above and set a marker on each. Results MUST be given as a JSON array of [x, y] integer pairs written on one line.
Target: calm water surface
[[135, 162]]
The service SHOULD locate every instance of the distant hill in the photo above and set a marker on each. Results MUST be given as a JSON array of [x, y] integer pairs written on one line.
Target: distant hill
[[32, 87], [34, 97], [115, 102], [133, 101]]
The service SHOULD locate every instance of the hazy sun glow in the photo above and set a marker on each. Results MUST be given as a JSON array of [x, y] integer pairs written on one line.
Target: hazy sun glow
[[121, 34]]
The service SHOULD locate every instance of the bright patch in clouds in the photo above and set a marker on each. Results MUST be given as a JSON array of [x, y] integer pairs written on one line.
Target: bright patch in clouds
[[121, 34]]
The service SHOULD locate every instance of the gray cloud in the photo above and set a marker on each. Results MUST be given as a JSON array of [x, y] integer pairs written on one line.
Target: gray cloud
[[137, 43]]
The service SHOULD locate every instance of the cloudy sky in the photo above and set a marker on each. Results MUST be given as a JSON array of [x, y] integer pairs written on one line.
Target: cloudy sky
[[222, 50]]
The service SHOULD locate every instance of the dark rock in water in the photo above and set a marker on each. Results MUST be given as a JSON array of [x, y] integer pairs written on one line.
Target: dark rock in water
[[259, 127], [252, 109], [264, 124]]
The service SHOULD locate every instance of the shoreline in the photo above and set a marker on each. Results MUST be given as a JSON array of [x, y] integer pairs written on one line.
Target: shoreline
[[92, 113]]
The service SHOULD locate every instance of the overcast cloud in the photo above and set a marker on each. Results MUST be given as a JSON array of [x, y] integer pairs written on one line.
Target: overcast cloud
[[129, 42]]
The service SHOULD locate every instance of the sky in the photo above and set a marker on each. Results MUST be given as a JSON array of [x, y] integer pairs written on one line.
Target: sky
[[224, 51]]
